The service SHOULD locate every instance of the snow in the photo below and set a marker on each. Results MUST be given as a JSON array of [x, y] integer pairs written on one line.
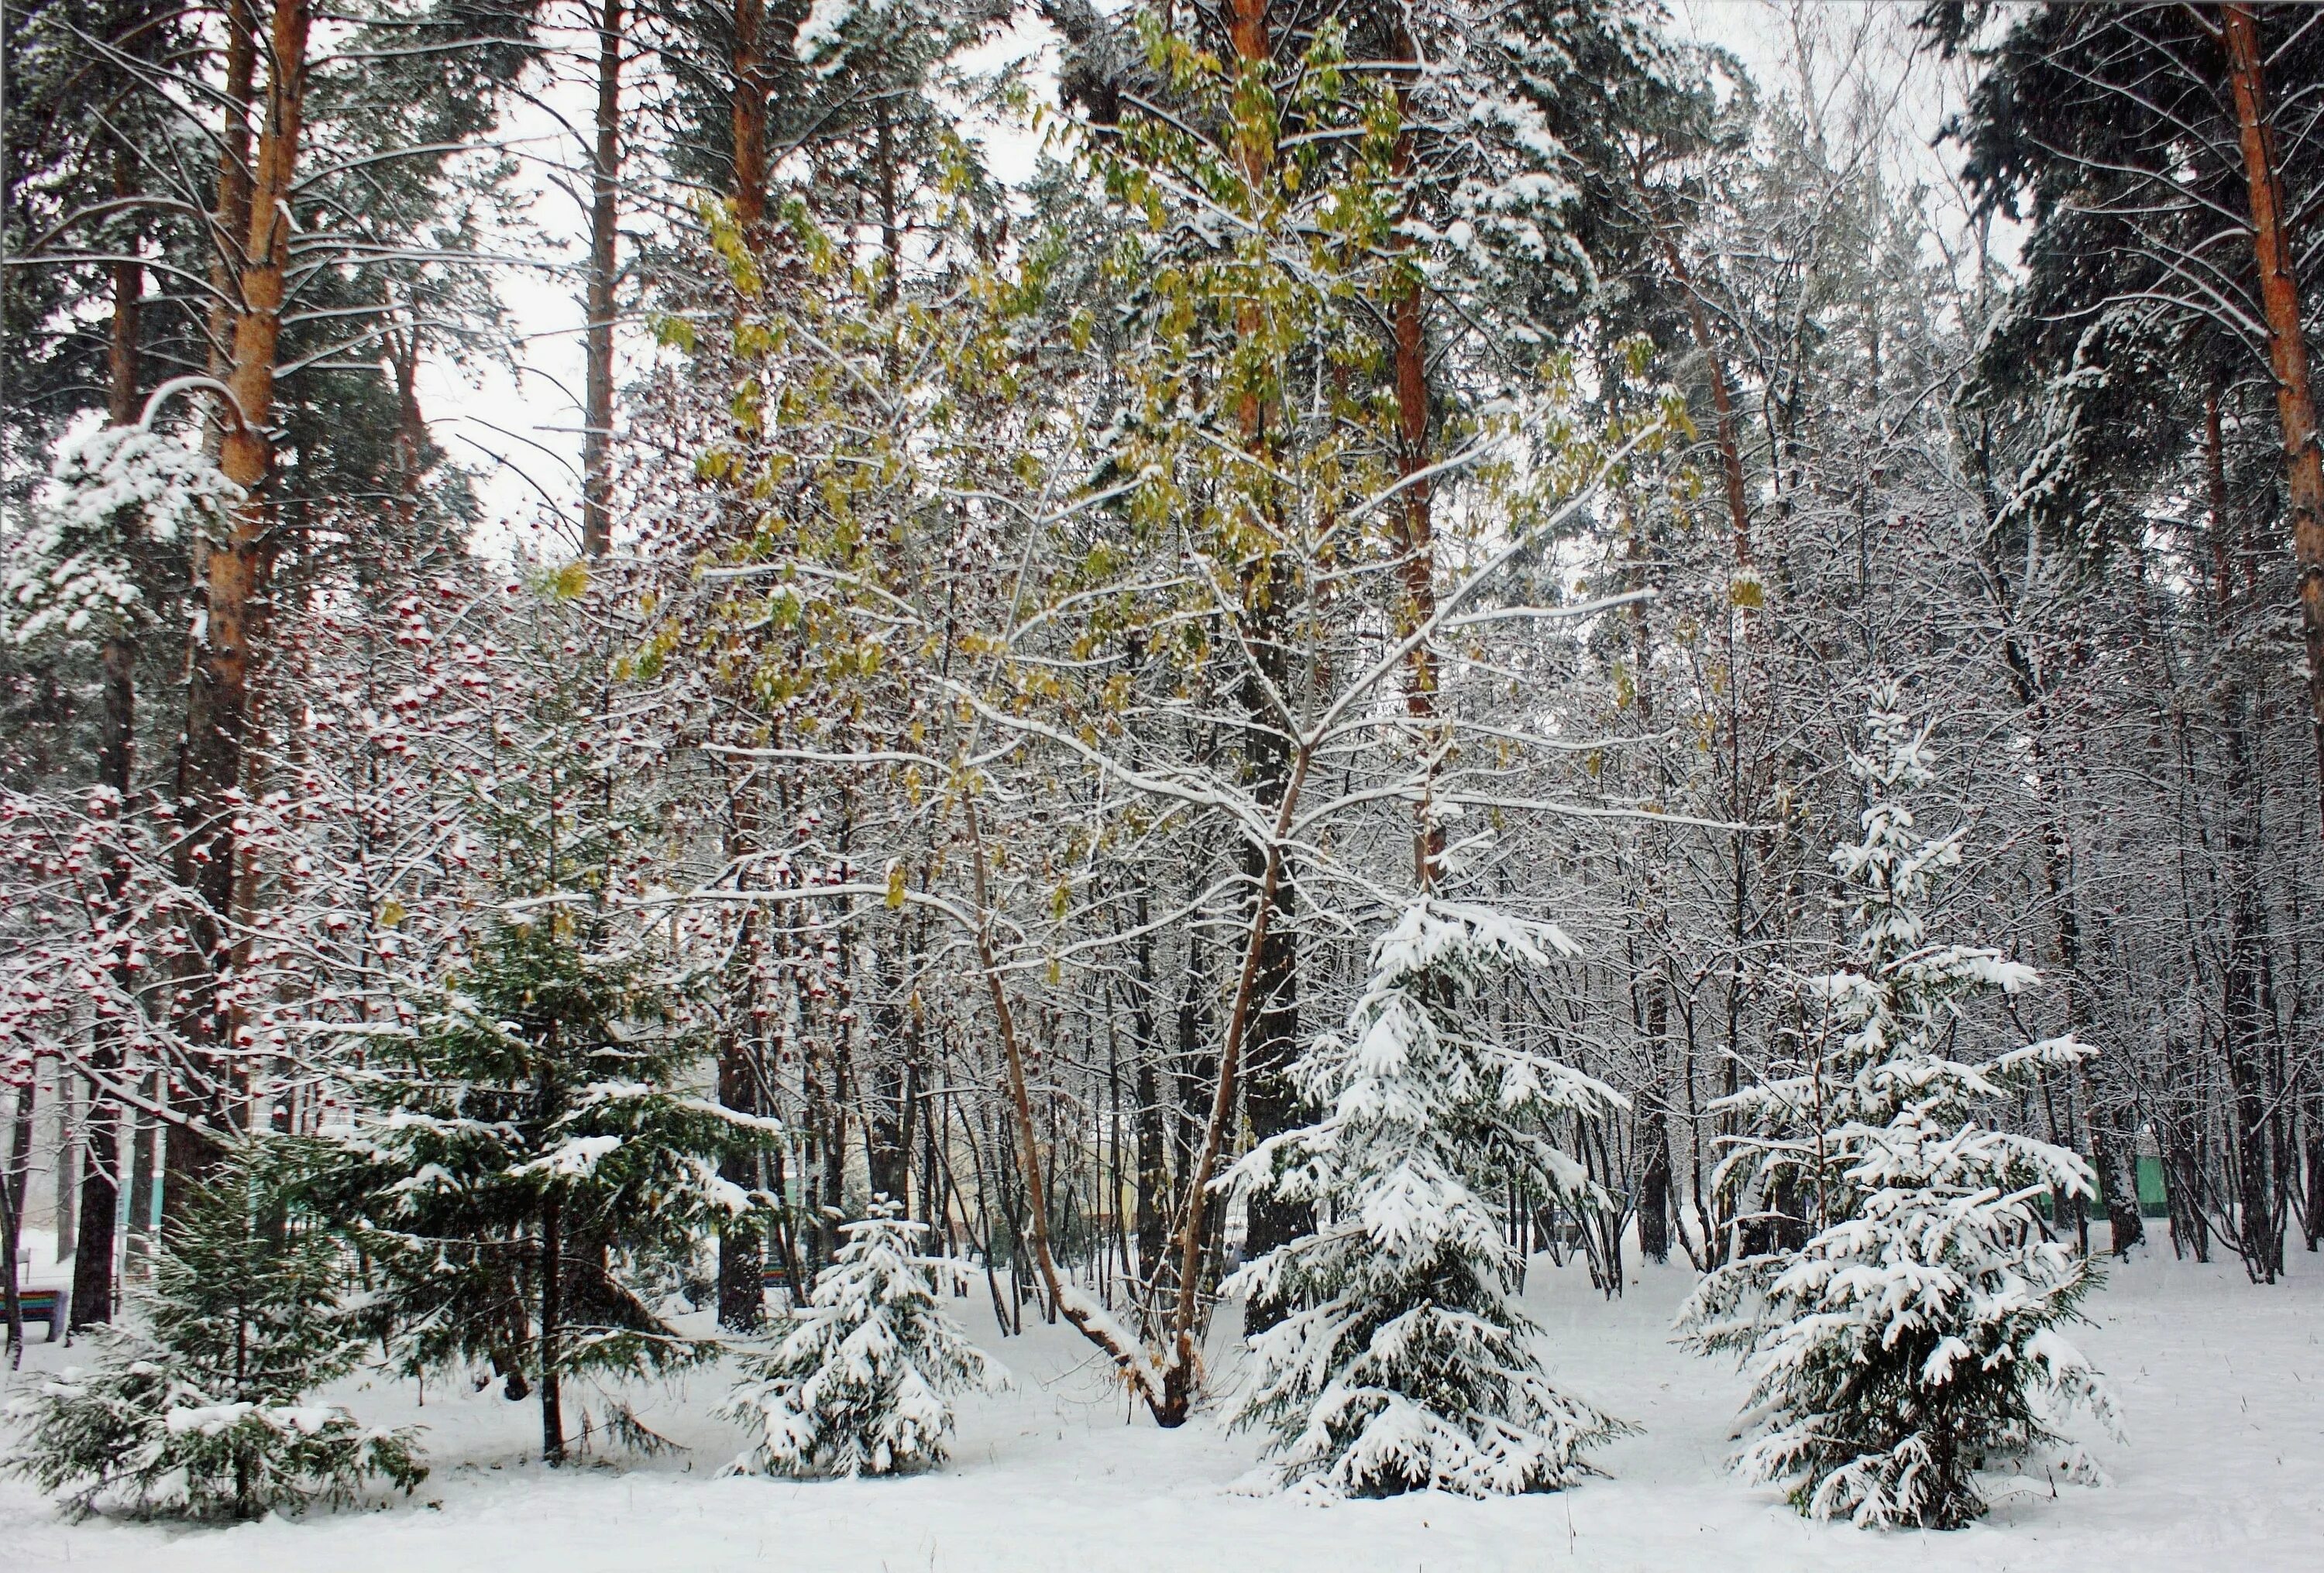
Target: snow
[[575, 1157], [70, 566], [822, 38], [209, 1418], [2223, 1383], [1097, 1320]]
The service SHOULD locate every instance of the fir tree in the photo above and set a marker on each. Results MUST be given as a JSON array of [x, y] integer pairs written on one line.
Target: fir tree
[[200, 1409], [525, 1158], [1407, 1365], [858, 1386], [1912, 1340], [533, 1158]]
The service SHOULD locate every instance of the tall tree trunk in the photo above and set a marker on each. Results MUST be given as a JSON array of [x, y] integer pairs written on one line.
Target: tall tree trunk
[[411, 446], [1181, 1370], [742, 1239], [128, 312], [230, 218], [1132, 1362], [891, 232], [233, 580], [13, 1187], [185, 1152], [750, 121], [1653, 1129], [604, 178], [2287, 345], [94, 1249], [1153, 1174], [1416, 546], [1259, 1066], [2244, 1009], [100, 1206], [1270, 1096], [552, 1317]]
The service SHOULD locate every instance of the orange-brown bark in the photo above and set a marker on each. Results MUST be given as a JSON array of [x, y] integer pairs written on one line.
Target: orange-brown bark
[[2287, 343]]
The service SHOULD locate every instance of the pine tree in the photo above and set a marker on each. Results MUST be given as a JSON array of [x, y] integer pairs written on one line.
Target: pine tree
[[1407, 1365], [1912, 1340], [859, 1384], [201, 1410]]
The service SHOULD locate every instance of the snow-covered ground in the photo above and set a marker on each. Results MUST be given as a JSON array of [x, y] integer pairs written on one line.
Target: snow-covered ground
[[2224, 1472]]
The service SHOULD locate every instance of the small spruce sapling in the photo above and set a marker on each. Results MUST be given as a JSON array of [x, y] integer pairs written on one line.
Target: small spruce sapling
[[1407, 1365], [858, 1386], [200, 1407], [1912, 1340]]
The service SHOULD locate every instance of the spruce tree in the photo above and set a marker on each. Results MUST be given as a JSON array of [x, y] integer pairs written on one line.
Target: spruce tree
[[1912, 1340], [1405, 1363], [525, 1159], [858, 1386], [201, 1407]]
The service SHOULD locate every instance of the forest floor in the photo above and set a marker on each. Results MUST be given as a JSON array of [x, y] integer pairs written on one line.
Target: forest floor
[[2223, 1383]]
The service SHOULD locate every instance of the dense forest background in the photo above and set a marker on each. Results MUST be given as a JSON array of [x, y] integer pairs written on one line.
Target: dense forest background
[[1017, 643]]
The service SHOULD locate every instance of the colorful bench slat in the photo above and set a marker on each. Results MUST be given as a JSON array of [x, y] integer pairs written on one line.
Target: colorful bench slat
[[43, 1305]]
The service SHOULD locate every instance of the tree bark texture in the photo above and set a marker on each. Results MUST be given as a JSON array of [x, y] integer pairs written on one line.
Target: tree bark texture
[[604, 180]]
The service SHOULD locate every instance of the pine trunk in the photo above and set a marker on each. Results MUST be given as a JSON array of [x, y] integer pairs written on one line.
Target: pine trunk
[[604, 176], [1416, 548], [750, 121], [100, 1206], [186, 1154], [2287, 344], [230, 218], [233, 581]]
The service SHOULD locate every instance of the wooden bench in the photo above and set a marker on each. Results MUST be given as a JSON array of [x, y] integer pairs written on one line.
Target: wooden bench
[[46, 1305]]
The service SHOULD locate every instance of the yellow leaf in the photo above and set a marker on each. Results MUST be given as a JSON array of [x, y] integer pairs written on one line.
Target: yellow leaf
[[569, 583]]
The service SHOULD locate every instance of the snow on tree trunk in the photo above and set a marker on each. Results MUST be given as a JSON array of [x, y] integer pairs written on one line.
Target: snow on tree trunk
[[1911, 1341], [1406, 1365], [860, 1385]]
